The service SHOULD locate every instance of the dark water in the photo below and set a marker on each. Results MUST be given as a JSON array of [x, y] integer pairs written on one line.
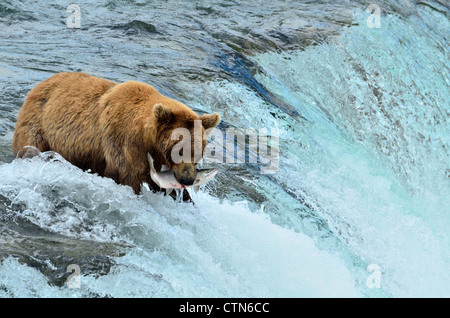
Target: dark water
[[363, 115]]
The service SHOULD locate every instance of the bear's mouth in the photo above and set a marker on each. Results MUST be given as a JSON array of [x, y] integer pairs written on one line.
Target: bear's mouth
[[185, 178]]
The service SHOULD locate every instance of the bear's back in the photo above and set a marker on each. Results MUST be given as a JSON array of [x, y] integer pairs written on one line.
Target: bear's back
[[138, 96]]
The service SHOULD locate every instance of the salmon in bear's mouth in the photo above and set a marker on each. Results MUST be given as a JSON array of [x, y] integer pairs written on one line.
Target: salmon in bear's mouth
[[166, 179]]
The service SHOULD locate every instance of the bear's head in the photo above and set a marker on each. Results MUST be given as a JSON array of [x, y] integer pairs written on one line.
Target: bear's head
[[181, 139]]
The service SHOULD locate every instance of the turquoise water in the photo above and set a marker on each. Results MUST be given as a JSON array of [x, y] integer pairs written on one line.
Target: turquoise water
[[376, 150], [364, 174]]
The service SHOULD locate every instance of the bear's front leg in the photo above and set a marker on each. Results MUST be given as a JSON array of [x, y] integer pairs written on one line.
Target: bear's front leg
[[111, 172], [186, 196]]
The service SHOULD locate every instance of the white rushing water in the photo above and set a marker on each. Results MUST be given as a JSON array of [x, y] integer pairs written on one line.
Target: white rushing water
[[213, 249]]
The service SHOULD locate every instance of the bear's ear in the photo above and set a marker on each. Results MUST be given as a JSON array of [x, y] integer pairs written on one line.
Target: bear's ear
[[162, 113], [210, 120]]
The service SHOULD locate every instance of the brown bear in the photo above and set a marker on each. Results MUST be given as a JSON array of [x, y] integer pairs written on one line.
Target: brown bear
[[108, 127]]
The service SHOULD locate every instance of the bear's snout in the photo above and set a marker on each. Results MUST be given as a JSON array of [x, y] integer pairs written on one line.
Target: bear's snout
[[185, 174], [186, 181]]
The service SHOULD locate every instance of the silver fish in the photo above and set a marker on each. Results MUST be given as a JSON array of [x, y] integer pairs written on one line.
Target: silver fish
[[165, 179]]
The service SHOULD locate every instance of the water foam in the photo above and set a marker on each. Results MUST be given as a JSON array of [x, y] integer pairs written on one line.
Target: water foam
[[213, 249]]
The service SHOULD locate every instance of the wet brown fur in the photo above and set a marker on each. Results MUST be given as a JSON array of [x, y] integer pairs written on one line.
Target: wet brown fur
[[106, 127]]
